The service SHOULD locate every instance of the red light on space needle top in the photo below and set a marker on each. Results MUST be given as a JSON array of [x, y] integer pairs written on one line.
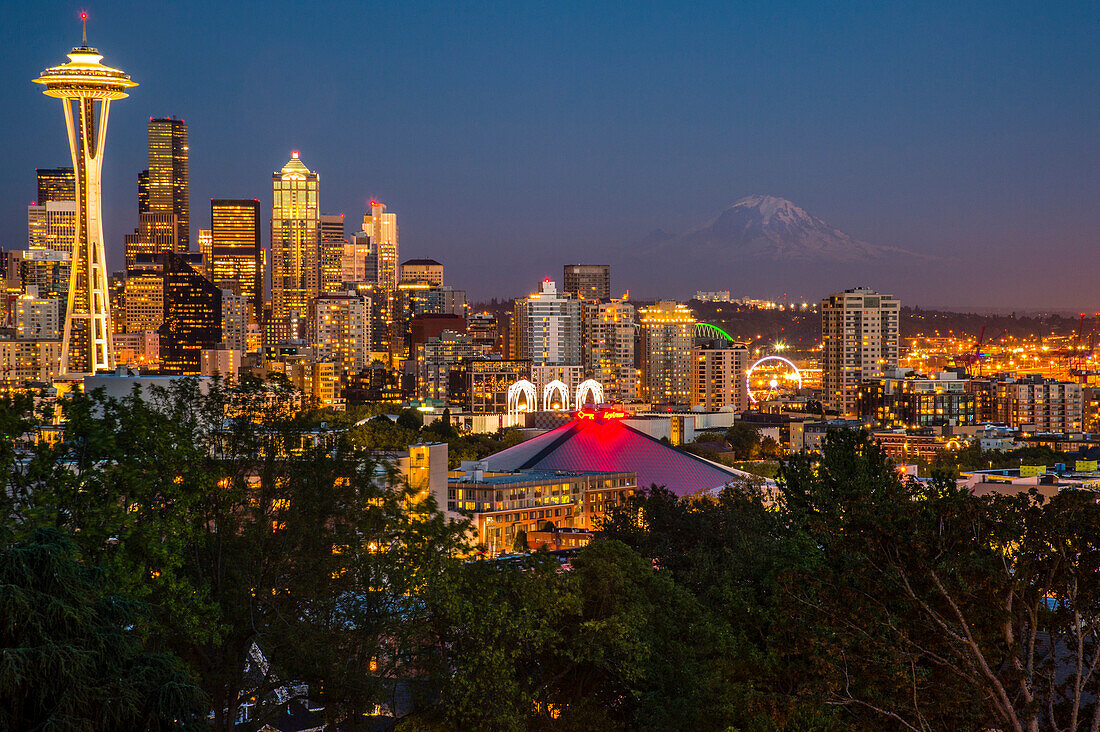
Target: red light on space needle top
[[83, 15]]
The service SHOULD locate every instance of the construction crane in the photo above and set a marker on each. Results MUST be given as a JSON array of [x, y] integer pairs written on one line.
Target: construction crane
[[968, 360]]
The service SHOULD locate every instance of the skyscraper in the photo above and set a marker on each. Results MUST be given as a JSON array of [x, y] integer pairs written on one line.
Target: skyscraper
[[668, 334], [55, 184], [295, 238], [86, 344], [192, 317], [859, 339], [588, 281], [236, 258], [332, 252], [168, 188], [382, 229]]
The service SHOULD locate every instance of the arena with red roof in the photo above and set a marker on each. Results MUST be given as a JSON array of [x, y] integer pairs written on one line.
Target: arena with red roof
[[599, 439]]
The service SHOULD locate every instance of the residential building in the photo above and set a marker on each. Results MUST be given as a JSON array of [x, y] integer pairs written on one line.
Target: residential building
[[718, 376], [588, 281], [547, 327], [36, 318], [235, 310], [902, 398], [607, 346], [1035, 404], [23, 361], [859, 337], [341, 329], [668, 335]]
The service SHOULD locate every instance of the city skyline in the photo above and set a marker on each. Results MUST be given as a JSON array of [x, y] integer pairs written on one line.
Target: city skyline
[[982, 155]]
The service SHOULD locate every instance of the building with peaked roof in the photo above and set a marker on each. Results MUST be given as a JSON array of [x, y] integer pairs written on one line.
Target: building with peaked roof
[[600, 440]]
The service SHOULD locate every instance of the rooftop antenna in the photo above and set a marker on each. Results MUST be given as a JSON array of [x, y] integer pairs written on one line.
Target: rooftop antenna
[[84, 22]]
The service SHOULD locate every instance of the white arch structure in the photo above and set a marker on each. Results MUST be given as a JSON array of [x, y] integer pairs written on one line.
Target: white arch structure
[[590, 389], [557, 385], [748, 374], [522, 388]]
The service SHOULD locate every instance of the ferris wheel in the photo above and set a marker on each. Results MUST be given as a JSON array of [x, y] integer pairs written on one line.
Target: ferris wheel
[[770, 376]]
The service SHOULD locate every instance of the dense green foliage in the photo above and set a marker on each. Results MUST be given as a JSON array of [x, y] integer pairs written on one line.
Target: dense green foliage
[[167, 563]]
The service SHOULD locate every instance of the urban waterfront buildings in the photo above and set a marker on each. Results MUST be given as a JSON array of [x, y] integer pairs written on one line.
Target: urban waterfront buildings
[[859, 339], [295, 238], [86, 343]]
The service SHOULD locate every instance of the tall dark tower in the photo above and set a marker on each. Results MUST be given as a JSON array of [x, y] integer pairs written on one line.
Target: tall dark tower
[[167, 184]]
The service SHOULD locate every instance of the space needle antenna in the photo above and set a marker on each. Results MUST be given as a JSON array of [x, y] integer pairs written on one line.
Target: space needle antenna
[[84, 22]]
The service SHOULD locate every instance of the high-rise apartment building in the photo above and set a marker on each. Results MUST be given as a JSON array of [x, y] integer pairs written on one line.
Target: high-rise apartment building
[[859, 338], [668, 335], [718, 376], [331, 256], [1034, 404], [608, 347], [235, 309], [192, 317], [295, 238], [547, 327], [168, 185], [55, 184], [236, 257], [156, 233], [341, 329], [588, 281], [52, 225], [36, 318]]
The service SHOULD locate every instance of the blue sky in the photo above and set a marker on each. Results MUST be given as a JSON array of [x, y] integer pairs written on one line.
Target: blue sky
[[513, 137]]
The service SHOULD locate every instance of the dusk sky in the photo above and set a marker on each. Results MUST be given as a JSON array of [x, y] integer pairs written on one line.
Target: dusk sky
[[511, 138]]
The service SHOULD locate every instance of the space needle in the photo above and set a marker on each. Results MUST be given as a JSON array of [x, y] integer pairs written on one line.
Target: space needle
[[87, 345]]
